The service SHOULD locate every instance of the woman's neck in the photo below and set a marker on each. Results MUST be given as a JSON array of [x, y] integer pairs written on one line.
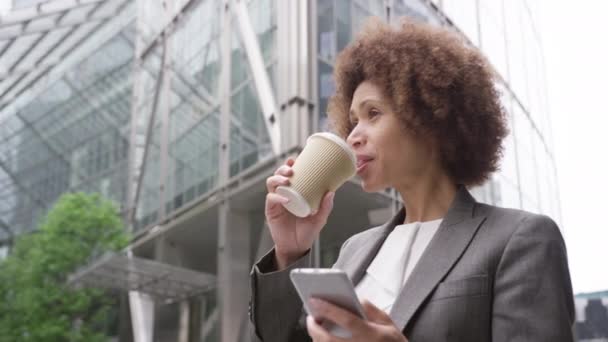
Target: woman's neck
[[427, 199]]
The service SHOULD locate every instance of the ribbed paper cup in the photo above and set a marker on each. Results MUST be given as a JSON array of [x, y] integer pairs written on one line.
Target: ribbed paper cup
[[325, 163]]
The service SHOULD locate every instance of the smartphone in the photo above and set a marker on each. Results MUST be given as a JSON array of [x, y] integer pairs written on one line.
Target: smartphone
[[332, 285]]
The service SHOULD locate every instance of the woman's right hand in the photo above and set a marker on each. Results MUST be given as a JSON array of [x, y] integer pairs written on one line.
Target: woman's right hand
[[292, 235]]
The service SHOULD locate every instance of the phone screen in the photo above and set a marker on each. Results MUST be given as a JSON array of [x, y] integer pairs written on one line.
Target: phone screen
[[331, 285]]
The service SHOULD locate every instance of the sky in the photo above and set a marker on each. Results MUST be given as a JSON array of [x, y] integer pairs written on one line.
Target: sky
[[5, 6], [575, 42]]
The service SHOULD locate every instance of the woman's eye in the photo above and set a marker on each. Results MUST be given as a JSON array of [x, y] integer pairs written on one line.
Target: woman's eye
[[373, 113]]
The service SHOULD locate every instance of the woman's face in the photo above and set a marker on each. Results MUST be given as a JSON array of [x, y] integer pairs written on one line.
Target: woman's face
[[387, 154]]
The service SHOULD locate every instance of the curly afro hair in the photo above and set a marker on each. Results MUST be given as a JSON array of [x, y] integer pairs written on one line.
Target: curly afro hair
[[438, 85]]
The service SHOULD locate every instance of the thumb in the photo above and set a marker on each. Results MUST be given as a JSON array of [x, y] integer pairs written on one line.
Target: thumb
[[374, 314], [327, 204]]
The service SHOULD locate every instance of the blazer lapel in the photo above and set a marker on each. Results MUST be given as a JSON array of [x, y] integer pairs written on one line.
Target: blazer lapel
[[452, 238], [357, 265]]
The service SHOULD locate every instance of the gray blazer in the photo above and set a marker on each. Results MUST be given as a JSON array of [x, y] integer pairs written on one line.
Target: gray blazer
[[488, 274]]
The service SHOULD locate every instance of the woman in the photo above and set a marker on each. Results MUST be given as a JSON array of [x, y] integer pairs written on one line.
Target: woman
[[421, 112]]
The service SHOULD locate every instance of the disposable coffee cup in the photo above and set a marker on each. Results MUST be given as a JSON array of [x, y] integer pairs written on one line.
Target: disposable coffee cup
[[325, 163]]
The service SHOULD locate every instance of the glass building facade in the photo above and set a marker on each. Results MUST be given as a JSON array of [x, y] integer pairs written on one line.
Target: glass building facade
[[178, 110]]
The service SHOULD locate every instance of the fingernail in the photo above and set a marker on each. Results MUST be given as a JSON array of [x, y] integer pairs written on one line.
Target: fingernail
[[314, 303]]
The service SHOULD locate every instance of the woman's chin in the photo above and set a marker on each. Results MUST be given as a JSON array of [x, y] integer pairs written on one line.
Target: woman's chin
[[368, 187]]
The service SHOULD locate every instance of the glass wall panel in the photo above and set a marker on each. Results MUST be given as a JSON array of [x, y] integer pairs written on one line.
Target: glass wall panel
[[417, 10], [73, 135], [527, 163], [534, 67], [464, 15], [263, 20], [149, 193], [362, 10], [373, 7], [543, 167], [492, 35], [326, 90], [509, 194], [554, 205], [513, 13], [343, 23], [249, 137], [194, 110], [152, 17], [326, 30], [508, 167]]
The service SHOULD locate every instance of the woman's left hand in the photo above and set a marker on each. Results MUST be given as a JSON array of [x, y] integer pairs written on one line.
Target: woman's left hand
[[377, 327]]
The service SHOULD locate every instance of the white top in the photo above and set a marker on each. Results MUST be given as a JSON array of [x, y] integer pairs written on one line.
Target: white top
[[394, 262]]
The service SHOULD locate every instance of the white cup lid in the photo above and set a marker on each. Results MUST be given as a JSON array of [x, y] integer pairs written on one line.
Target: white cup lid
[[297, 204]]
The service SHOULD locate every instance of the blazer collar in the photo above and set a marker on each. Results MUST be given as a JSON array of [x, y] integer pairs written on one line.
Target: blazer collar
[[356, 265], [452, 238]]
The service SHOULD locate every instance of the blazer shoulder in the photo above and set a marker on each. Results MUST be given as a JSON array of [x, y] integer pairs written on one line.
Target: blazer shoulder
[[519, 221]]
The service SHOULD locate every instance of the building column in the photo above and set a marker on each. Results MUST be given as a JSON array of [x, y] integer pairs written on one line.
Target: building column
[[233, 270], [184, 321], [296, 70], [169, 252], [142, 316]]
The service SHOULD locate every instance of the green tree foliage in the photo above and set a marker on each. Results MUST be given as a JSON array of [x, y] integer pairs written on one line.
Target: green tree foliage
[[35, 302]]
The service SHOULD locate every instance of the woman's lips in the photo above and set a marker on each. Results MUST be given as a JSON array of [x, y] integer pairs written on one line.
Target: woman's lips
[[362, 165]]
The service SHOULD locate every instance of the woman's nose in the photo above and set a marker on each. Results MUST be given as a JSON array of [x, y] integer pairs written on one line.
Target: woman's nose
[[355, 138]]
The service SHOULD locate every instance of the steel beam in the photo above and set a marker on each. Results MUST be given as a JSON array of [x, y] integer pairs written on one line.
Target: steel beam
[[23, 71], [141, 54], [148, 137], [261, 80], [97, 104], [28, 51], [7, 46], [27, 30], [46, 142], [224, 91], [196, 104], [164, 108], [84, 45], [43, 10], [7, 229], [18, 184]]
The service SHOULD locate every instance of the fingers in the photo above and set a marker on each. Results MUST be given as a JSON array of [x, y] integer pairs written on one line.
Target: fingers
[[374, 314], [273, 182], [318, 333], [284, 170], [280, 176], [274, 200], [326, 206], [336, 314]]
